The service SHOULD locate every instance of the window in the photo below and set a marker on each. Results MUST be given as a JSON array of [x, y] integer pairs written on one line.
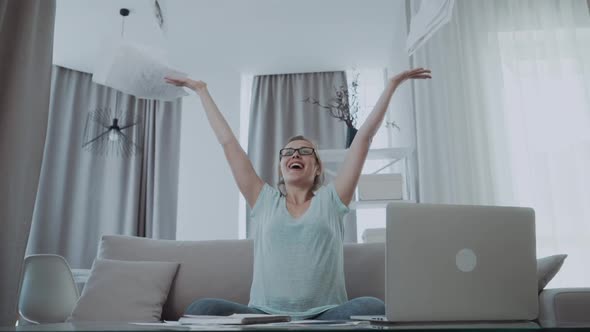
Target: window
[[546, 101]]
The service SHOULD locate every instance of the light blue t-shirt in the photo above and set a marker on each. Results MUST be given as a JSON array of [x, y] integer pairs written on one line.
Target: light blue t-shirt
[[298, 262]]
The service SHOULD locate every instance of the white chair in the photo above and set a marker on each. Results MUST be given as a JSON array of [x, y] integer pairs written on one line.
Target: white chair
[[48, 292]]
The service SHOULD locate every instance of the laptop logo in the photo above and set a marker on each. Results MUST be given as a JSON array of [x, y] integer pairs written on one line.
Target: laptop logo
[[466, 260]]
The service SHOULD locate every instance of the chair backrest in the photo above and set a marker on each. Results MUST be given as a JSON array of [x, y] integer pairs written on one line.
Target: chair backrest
[[48, 291]]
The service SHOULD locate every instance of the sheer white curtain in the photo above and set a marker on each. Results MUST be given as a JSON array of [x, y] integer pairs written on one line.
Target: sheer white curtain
[[506, 118]]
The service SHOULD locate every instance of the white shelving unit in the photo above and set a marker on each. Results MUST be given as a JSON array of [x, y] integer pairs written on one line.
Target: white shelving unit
[[334, 157], [394, 154]]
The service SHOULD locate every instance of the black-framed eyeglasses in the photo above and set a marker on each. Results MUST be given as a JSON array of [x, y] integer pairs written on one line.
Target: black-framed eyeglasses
[[303, 151]]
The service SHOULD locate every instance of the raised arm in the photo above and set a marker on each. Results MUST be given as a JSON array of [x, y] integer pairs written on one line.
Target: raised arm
[[249, 183], [350, 171]]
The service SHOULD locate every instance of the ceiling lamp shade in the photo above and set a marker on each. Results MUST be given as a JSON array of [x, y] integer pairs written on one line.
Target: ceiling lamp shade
[[137, 70]]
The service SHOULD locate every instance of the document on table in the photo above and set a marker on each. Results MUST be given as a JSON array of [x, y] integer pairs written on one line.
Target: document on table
[[173, 325], [310, 324], [213, 323], [235, 319]]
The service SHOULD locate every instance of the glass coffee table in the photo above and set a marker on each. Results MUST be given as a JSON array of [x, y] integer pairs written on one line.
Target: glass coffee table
[[114, 326]]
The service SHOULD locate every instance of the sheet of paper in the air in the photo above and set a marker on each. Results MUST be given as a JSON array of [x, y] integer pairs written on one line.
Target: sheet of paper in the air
[[431, 16], [138, 70]]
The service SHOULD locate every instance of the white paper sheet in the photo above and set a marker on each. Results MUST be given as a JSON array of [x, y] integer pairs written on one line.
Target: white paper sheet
[[235, 319], [220, 323], [138, 70], [167, 324], [431, 16], [310, 324], [174, 325]]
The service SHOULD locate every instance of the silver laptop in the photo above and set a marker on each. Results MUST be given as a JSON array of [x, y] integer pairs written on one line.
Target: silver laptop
[[459, 263]]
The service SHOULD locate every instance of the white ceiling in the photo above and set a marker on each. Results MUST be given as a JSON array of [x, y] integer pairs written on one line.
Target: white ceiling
[[248, 35]]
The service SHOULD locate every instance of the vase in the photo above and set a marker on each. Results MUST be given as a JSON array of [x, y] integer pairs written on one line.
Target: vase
[[350, 133]]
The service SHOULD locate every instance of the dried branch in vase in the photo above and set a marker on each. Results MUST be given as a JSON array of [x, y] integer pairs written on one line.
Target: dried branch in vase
[[343, 106]]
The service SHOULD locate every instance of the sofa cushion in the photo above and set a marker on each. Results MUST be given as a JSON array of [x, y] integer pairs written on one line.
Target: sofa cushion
[[547, 268], [127, 291], [208, 269], [364, 270], [564, 307]]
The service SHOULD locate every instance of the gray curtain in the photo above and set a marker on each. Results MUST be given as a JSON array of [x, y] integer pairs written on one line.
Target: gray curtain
[[83, 195], [26, 50], [278, 113]]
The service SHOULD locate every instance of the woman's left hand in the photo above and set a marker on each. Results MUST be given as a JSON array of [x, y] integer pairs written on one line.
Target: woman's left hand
[[416, 73]]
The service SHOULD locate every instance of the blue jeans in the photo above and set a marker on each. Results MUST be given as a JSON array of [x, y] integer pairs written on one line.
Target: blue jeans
[[365, 305], [359, 306]]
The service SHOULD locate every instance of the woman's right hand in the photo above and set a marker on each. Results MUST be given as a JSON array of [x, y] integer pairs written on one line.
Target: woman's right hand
[[196, 86]]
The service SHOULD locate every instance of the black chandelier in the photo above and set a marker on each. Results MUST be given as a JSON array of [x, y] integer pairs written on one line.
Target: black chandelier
[[113, 131]]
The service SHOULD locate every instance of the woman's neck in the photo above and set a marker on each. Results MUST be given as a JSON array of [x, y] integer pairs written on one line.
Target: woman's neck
[[298, 195]]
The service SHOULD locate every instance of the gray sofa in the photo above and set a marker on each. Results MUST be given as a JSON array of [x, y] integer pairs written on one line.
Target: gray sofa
[[223, 269]]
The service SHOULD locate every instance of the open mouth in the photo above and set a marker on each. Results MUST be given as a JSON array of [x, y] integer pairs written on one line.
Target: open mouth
[[296, 165]]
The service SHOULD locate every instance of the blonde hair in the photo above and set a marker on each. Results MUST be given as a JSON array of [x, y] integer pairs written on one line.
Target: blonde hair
[[318, 180]]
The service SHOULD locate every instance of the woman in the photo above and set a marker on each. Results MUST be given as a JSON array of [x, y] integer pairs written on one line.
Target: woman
[[298, 229]]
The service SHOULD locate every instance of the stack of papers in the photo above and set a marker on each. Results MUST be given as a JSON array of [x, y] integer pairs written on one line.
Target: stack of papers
[[235, 323], [431, 16], [235, 319], [313, 324]]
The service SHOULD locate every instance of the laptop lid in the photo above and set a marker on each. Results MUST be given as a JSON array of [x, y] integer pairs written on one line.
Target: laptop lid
[[460, 263]]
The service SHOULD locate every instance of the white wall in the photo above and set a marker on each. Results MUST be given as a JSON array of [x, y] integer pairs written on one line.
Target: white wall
[[216, 41]]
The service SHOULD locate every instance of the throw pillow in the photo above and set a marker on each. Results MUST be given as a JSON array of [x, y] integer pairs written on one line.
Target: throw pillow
[[547, 268], [129, 291]]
